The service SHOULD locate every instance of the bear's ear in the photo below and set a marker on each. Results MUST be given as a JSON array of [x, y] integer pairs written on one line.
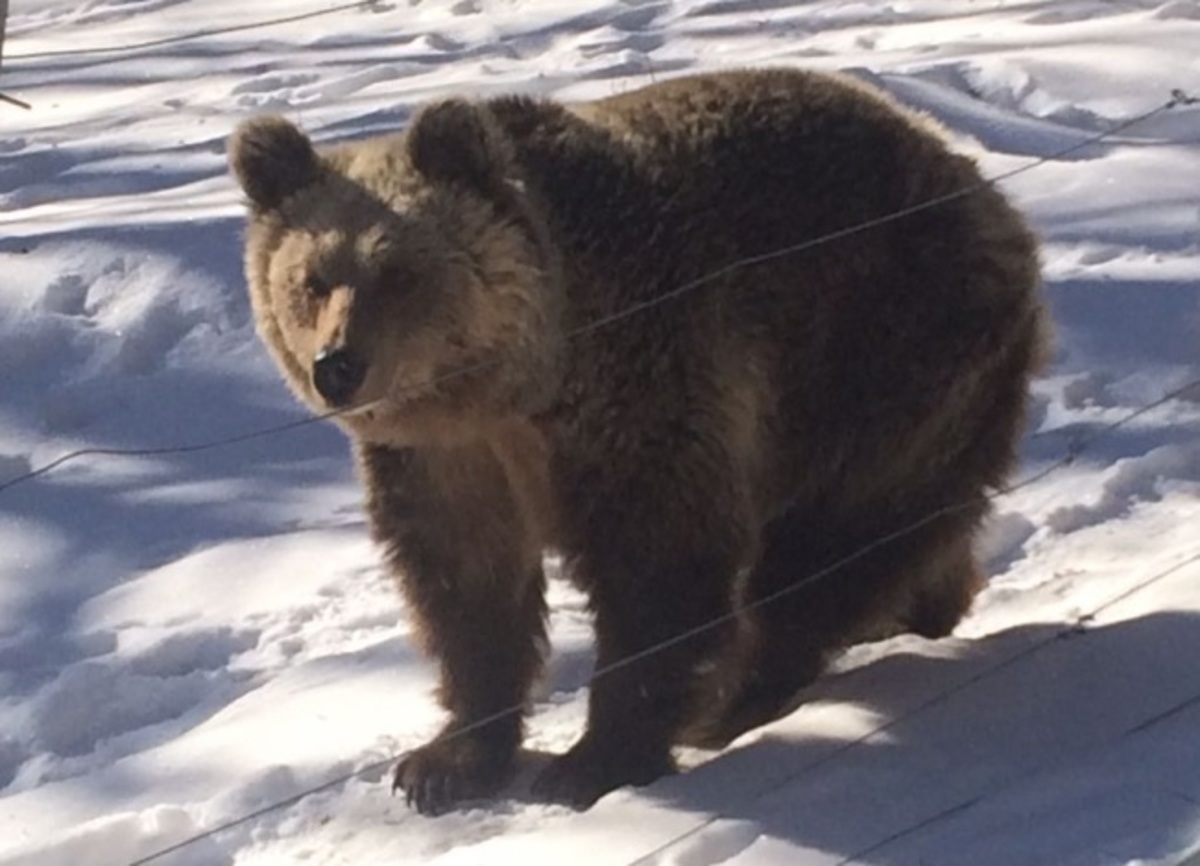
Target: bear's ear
[[456, 141], [271, 159]]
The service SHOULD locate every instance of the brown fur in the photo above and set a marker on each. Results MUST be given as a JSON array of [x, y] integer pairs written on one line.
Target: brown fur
[[702, 454]]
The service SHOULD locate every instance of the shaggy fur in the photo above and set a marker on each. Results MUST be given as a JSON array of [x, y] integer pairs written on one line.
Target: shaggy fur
[[689, 460]]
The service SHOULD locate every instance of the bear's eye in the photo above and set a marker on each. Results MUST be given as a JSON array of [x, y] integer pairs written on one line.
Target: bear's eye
[[318, 286]]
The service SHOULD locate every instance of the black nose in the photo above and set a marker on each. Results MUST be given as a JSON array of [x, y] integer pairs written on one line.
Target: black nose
[[337, 374]]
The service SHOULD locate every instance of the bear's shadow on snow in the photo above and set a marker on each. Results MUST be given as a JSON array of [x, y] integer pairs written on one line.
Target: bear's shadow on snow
[[874, 753]]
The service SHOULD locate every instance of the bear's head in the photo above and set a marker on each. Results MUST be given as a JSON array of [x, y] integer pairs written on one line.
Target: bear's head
[[405, 280]]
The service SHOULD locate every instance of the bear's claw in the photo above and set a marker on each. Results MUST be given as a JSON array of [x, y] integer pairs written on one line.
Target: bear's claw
[[445, 772]]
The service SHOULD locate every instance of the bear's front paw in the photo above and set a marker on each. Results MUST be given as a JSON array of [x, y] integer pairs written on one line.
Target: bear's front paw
[[590, 770], [449, 770]]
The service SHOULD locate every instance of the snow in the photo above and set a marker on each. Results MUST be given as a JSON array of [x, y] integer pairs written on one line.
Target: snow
[[189, 638]]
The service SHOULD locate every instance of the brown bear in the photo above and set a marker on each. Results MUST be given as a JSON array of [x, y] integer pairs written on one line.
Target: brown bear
[[677, 336]]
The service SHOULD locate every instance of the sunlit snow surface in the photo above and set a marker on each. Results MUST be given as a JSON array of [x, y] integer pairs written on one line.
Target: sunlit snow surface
[[185, 638]]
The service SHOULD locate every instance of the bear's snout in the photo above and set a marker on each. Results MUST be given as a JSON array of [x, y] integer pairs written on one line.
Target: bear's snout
[[337, 374]]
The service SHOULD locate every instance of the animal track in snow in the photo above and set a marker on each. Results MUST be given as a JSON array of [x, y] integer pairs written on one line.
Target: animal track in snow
[[273, 82], [80, 323], [67, 295], [1081, 10], [1137, 479], [89, 13], [614, 41], [638, 17], [1004, 539], [1089, 389], [275, 91], [203, 650], [735, 7], [1000, 106], [93, 701], [1178, 10], [12, 465], [439, 42], [12, 755], [124, 837], [102, 698]]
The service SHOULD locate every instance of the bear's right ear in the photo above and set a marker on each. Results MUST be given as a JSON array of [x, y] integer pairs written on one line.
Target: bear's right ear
[[271, 159], [456, 141]]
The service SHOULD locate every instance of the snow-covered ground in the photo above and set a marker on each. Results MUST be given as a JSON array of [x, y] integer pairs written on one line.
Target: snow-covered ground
[[186, 638]]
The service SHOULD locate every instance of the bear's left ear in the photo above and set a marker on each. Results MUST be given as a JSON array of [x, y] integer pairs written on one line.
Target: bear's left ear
[[456, 141], [271, 159]]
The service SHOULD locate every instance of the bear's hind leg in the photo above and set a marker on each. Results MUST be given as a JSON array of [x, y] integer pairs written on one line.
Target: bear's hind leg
[[652, 635], [657, 551], [941, 598], [938, 596], [806, 601]]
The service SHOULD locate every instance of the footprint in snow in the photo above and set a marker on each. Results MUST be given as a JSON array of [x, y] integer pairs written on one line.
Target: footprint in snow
[[1130, 481], [14, 465], [1003, 541], [67, 296], [1188, 10], [638, 17], [96, 700], [614, 41], [12, 756], [277, 91], [273, 82]]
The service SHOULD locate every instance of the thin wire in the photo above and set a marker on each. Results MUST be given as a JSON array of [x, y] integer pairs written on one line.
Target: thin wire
[[262, 433], [191, 37], [1178, 97], [159, 451], [12, 100]]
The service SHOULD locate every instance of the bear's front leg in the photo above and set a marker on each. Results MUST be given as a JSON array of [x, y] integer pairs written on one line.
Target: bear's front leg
[[474, 584], [661, 590]]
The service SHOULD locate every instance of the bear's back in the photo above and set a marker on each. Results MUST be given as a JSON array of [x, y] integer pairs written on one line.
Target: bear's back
[[771, 208], [712, 169], [781, 151]]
